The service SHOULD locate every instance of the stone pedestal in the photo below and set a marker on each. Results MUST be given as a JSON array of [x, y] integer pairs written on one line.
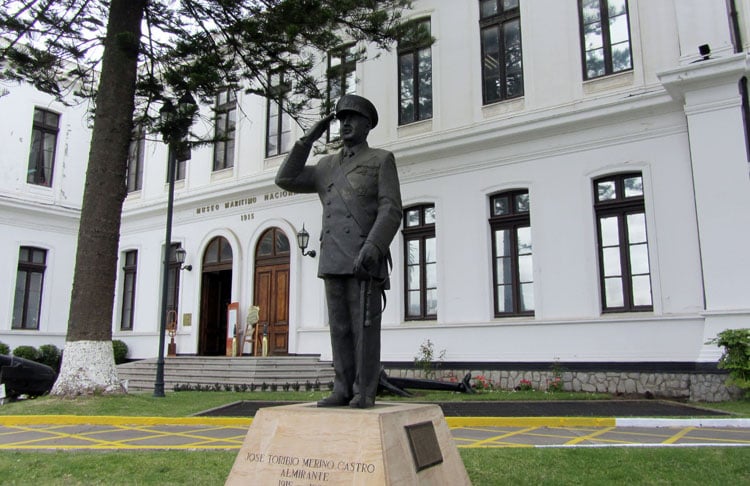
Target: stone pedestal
[[389, 444]]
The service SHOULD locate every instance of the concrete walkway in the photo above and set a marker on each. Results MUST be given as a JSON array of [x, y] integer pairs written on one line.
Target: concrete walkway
[[65, 432]]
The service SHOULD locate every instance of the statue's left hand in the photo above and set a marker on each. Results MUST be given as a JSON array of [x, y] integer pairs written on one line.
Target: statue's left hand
[[366, 264]]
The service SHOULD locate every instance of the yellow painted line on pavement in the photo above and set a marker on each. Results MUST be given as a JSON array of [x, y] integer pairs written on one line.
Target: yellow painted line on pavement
[[590, 436], [14, 420], [497, 439], [679, 435]]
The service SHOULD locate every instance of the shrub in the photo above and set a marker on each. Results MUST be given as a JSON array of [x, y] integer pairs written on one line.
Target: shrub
[[120, 350], [49, 354], [482, 383], [4, 348], [524, 385], [26, 352], [426, 361], [736, 357]]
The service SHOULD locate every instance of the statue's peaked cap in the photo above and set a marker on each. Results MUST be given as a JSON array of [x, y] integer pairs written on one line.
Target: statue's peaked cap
[[360, 105]]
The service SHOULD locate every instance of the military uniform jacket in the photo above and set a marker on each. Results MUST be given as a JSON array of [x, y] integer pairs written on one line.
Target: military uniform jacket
[[361, 202]]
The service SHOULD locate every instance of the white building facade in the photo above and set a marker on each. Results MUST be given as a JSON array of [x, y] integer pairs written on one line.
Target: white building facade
[[574, 177]]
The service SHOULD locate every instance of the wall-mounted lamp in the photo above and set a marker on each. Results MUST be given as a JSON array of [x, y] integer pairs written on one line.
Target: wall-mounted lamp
[[303, 238], [179, 256], [705, 51]]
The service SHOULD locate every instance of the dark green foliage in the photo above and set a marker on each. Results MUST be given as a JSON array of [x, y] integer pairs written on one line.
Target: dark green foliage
[[120, 350], [4, 349], [736, 357], [26, 352], [49, 354], [192, 45]]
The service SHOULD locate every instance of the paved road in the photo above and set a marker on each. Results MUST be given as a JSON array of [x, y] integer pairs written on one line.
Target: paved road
[[211, 432]]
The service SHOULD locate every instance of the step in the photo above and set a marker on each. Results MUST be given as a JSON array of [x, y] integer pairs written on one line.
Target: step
[[228, 372]]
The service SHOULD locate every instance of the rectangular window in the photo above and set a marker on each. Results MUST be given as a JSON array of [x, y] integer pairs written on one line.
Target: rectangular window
[[128, 290], [342, 77], [278, 121], [224, 131], [513, 270], [502, 58], [421, 262], [43, 144], [134, 173], [624, 269], [605, 37], [27, 303], [415, 73]]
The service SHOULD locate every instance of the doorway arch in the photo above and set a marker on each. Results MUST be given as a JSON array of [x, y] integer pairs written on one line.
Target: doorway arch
[[272, 292], [216, 294]]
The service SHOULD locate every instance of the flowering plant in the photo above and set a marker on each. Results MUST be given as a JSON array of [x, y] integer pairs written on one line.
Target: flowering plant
[[481, 382], [555, 385], [524, 385]]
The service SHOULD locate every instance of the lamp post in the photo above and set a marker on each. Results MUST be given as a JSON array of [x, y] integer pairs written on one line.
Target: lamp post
[[175, 124]]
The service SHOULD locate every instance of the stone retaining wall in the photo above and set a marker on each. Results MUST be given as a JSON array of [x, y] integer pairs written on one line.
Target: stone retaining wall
[[703, 387]]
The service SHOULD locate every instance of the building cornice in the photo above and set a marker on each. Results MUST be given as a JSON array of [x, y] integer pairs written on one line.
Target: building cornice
[[704, 74]]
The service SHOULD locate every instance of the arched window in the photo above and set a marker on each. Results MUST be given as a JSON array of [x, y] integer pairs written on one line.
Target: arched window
[[624, 270], [273, 244], [32, 263], [218, 255], [420, 262], [513, 274]]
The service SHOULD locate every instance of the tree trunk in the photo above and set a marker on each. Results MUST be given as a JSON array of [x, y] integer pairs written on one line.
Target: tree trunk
[[88, 361]]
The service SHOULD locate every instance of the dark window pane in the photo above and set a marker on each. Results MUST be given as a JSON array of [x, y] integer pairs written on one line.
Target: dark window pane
[[491, 64], [500, 206], [606, 190], [522, 203], [282, 243], [406, 66], [425, 84], [487, 8]]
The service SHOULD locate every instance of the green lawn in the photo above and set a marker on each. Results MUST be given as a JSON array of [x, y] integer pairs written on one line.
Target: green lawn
[[491, 467], [181, 404]]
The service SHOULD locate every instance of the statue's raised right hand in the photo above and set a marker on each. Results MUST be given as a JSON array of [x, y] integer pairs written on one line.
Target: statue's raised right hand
[[320, 127]]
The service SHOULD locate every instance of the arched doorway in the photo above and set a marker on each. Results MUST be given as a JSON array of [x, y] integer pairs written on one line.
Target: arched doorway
[[216, 294], [272, 292]]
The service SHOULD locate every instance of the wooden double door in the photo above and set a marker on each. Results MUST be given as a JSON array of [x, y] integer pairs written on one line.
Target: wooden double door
[[272, 293]]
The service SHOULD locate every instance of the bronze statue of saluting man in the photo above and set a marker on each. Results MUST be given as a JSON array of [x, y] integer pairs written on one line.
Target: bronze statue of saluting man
[[358, 188]]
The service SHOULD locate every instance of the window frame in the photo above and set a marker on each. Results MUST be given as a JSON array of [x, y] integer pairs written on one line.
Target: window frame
[[511, 222], [278, 92], [499, 21], [27, 268], [414, 49], [421, 232], [604, 20], [341, 71], [40, 131], [129, 281], [225, 108], [621, 207]]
